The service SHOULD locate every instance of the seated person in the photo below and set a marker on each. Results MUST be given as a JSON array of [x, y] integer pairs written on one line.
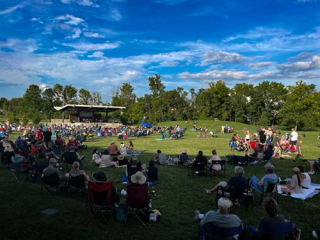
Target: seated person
[[183, 157], [113, 148], [59, 141], [21, 143], [199, 158], [268, 153], [293, 186], [72, 142], [258, 184], [214, 157], [101, 178], [272, 208], [123, 149], [106, 160], [75, 171], [50, 154], [314, 165], [51, 169], [237, 180], [95, 157], [8, 150], [122, 161], [221, 218], [152, 172], [160, 158], [305, 178]]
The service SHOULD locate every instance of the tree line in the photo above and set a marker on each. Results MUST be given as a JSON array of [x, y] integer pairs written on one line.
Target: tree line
[[265, 104]]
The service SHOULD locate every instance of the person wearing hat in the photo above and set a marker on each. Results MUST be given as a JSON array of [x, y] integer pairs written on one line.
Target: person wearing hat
[[258, 184], [100, 178], [113, 148], [221, 218], [294, 185], [122, 161], [183, 157], [138, 178], [51, 169]]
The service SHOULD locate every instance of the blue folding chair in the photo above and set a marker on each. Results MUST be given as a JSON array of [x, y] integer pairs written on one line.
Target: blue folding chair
[[269, 186], [211, 231], [273, 231]]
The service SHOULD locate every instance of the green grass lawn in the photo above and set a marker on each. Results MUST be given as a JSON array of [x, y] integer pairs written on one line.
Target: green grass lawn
[[178, 194]]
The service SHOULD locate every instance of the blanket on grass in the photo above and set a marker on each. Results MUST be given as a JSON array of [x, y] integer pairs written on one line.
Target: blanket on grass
[[306, 193]]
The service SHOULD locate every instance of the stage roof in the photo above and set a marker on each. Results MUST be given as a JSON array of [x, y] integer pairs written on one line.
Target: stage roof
[[88, 108]]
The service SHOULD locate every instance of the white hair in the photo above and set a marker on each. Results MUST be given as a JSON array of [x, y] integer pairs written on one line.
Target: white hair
[[224, 203]]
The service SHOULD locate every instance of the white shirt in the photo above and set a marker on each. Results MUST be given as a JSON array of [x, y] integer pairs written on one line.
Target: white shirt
[[294, 136], [307, 181]]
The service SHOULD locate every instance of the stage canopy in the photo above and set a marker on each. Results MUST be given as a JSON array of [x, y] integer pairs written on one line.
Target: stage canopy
[[87, 108]]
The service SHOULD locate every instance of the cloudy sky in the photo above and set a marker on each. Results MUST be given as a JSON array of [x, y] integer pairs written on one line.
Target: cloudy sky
[[99, 44]]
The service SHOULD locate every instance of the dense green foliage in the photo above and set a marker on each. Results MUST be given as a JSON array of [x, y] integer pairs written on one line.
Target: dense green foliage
[[268, 103], [178, 194]]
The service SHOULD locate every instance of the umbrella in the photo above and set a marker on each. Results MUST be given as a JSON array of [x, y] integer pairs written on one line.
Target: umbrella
[[147, 125]]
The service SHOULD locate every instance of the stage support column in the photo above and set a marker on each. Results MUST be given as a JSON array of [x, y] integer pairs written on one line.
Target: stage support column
[[63, 116], [107, 116], [78, 112]]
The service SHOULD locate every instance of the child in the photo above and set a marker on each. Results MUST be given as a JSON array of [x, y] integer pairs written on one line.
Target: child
[[298, 151]]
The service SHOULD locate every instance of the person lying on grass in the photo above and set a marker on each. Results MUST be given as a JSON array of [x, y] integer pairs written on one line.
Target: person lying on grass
[[238, 181]]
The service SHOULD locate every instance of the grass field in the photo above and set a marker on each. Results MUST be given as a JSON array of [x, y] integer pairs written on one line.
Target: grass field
[[178, 194]]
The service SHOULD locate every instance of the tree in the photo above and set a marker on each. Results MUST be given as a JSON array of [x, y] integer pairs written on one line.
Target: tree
[[156, 85], [264, 120], [31, 100], [36, 118], [300, 106], [84, 97], [66, 94], [95, 98], [48, 103]]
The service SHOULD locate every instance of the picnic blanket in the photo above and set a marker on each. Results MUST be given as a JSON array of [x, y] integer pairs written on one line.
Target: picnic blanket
[[133, 153], [306, 193], [150, 183]]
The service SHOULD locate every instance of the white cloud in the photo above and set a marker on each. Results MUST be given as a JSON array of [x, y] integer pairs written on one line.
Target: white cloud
[[91, 46], [98, 54], [260, 32], [93, 35], [81, 2], [76, 33], [10, 10], [215, 74], [115, 14], [259, 65], [314, 64], [212, 56], [69, 19]]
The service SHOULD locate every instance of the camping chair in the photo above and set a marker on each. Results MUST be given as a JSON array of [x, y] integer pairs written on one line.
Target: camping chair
[[269, 186], [198, 168], [58, 149], [211, 231], [272, 231], [50, 182], [132, 168], [99, 196], [40, 164], [137, 200], [239, 194], [19, 170], [222, 163], [75, 183], [69, 158]]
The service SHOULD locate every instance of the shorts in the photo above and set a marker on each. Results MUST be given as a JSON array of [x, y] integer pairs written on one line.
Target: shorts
[[294, 142], [277, 150]]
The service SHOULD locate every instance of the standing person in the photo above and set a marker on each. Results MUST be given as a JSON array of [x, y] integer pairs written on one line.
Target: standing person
[[262, 136], [39, 136], [247, 137], [293, 137], [160, 158], [298, 151], [47, 137], [277, 146]]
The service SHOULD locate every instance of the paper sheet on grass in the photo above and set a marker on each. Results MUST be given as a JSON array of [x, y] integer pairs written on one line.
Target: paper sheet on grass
[[306, 193]]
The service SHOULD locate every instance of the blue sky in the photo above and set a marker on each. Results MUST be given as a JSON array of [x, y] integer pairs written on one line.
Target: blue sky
[[99, 44]]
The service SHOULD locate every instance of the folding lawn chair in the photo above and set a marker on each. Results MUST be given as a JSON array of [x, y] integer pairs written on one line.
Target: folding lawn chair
[[39, 165], [211, 231], [223, 168], [19, 170], [76, 183], [273, 231], [199, 168], [137, 200], [239, 194], [132, 168], [50, 182], [68, 159], [269, 187], [101, 197]]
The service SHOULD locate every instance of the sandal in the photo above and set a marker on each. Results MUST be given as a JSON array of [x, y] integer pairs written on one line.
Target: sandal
[[207, 191]]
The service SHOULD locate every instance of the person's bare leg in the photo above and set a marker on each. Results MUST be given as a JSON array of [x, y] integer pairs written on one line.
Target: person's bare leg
[[213, 189], [311, 167]]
